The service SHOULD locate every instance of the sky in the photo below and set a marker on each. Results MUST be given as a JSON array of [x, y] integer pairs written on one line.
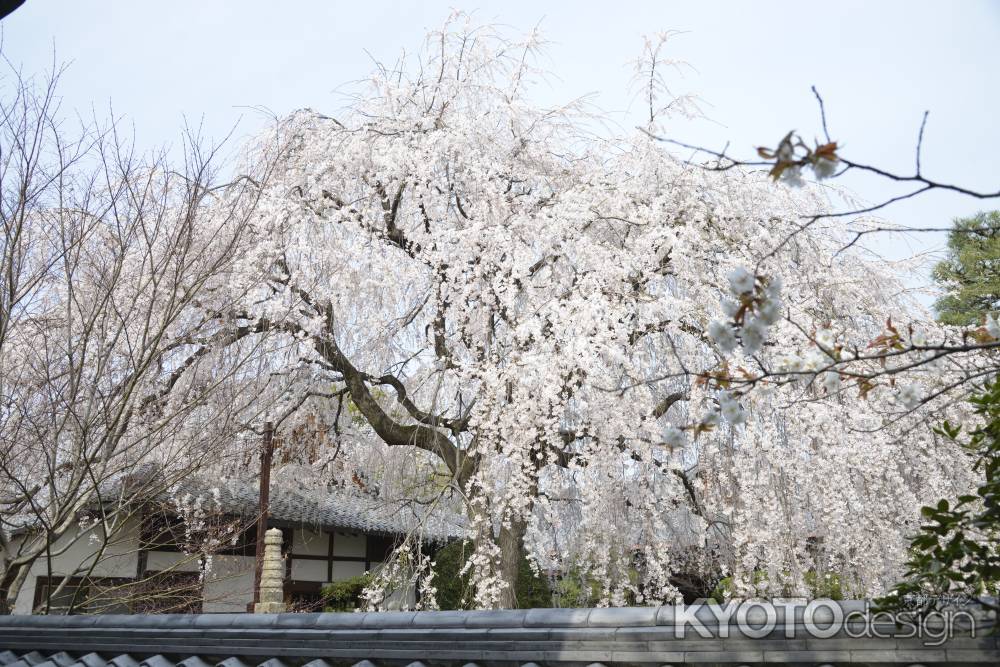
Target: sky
[[878, 65]]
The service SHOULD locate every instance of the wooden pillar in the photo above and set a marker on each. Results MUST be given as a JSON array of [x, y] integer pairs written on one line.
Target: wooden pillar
[[266, 454], [329, 556]]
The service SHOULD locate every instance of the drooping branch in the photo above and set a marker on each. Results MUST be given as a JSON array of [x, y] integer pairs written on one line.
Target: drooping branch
[[667, 402], [424, 435], [456, 426], [389, 430]]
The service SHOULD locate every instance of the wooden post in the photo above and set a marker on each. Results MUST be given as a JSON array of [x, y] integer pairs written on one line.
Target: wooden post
[[267, 452]]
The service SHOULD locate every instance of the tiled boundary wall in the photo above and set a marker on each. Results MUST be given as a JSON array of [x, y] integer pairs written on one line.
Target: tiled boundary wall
[[545, 637]]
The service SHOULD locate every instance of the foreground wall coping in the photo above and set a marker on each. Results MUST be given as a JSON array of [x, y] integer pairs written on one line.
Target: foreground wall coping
[[546, 637]]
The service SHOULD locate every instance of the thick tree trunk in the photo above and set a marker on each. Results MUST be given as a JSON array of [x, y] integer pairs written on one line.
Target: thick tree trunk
[[511, 543], [511, 547], [10, 588]]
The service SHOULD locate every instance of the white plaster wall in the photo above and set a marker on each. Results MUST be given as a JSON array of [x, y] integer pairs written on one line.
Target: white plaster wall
[[309, 542], [158, 561], [343, 570], [310, 570], [119, 559], [349, 544], [228, 584]]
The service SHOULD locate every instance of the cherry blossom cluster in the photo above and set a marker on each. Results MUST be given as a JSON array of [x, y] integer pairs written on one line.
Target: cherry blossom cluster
[[793, 155], [753, 306]]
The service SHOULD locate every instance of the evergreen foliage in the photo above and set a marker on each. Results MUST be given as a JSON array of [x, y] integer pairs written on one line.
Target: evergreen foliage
[[454, 590], [970, 274], [957, 550]]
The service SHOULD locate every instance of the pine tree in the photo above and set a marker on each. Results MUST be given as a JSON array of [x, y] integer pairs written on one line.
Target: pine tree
[[970, 274]]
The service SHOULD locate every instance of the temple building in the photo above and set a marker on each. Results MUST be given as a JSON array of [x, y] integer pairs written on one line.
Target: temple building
[[194, 552]]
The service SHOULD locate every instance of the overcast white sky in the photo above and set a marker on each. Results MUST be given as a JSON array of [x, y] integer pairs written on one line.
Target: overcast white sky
[[879, 65]]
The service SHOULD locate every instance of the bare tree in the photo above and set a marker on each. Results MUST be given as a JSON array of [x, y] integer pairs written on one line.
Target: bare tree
[[112, 385]]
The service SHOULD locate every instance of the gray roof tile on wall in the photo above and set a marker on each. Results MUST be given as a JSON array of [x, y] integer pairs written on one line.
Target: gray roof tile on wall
[[61, 659], [156, 661], [93, 660], [616, 617], [274, 662], [123, 660], [233, 662], [546, 638]]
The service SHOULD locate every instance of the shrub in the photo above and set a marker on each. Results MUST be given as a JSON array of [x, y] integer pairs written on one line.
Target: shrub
[[345, 595]]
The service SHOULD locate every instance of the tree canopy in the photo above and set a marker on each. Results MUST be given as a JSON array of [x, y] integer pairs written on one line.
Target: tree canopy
[[616, 362], [970, 272], [530, 311]]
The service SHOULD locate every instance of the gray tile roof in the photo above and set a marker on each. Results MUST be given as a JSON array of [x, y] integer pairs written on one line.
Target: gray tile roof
[[331, 508], [544, 637], [327, 509]]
